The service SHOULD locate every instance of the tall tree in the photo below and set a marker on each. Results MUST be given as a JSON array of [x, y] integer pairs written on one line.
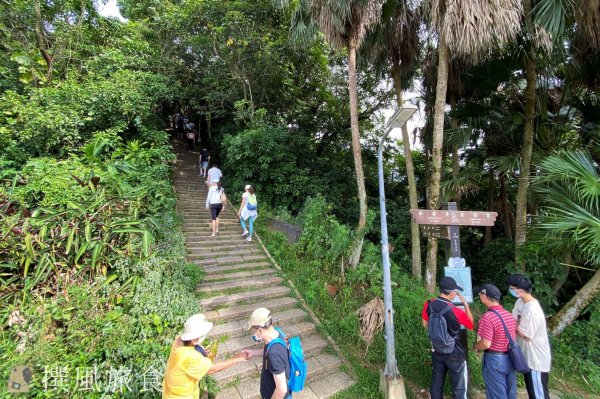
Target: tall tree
[[394, 43], [460, 29], [344, 24]]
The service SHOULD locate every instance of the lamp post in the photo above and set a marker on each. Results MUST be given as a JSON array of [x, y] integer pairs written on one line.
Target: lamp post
[[391, 383]]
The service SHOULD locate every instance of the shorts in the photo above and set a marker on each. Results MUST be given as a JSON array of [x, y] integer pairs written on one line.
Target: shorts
[[215, 209], [203, 165]]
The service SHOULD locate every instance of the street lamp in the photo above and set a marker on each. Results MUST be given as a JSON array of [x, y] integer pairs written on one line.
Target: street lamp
[[391, 383]]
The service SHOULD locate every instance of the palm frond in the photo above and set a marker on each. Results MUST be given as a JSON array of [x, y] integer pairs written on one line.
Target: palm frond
[[472, 27], [506, 164], [551, 15], [587, 15], [570, 184]]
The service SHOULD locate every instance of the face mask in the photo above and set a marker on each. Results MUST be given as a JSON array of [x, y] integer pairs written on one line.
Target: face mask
[[256, 339], [513, 292]]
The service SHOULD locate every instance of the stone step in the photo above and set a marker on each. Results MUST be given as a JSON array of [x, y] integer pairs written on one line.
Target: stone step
[[209, 242], [220, 239], [236, 267], [238, 328], [238, 275], [248, 296], [317, 366], [228, 260], [221, 252], [243, 284], [236, 312], [311, 342]]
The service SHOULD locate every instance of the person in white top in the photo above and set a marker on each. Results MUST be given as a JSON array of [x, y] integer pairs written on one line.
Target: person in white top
[[532, 336], [213, 173]]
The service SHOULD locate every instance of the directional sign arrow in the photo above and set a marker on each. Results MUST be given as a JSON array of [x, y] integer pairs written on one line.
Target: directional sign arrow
[[453, 218]]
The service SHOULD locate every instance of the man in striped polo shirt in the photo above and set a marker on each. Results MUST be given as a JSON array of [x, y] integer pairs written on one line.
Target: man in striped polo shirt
[[498, 372]]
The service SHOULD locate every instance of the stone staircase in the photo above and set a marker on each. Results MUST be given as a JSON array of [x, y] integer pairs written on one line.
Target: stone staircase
[[240, 278]]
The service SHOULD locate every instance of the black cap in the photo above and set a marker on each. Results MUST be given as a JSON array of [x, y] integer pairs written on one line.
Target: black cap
[[449, 284], [489, 290]]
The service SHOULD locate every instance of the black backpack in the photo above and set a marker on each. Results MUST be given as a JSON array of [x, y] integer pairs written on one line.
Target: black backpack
[[441, 339]]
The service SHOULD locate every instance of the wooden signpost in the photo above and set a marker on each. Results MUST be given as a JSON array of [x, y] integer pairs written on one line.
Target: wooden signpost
[[445, 224]]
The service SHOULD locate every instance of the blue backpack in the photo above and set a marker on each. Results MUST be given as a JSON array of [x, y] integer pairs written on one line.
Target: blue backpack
[[297, 363]]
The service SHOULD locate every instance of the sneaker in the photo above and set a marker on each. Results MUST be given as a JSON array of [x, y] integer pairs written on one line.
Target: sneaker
[[249, 238], [245, 233], [213, 235]]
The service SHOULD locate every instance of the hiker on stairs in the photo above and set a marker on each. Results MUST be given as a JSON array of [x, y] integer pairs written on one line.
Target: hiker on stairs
[[276, 364], [215, 202], [247, 211]]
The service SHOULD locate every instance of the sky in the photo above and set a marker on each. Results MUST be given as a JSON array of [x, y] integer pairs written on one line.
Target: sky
[[110, 9]]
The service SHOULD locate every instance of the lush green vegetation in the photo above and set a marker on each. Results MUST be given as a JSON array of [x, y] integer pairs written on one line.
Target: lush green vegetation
[[309, 265], [289, 96]]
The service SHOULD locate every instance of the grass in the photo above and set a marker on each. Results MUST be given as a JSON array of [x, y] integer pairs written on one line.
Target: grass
[[571, 375]]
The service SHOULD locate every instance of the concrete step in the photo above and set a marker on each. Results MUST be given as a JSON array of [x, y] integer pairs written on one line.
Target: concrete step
[[248, 296], [238, 275], [305, 330], [318, 365], [242, 312], [228, 260], [238, 328], [236, 267], [209, 242], [222, 252], [242, 284]]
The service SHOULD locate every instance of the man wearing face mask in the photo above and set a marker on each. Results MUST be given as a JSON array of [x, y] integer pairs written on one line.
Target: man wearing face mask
[[188, 361], [532, 336], [276, 363], [453, 363]]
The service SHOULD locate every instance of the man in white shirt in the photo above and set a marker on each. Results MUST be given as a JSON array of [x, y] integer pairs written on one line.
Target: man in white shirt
[[532, 336]]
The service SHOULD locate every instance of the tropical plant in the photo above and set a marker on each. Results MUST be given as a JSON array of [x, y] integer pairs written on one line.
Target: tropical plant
[[570, 222]]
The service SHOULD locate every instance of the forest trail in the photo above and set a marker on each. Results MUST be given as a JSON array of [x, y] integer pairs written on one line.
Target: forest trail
[[240, 278]]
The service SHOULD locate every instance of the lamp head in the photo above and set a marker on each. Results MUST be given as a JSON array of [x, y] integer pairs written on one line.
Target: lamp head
[[401, 116]]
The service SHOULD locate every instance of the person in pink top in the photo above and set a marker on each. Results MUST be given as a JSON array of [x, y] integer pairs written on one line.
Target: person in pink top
[[499, 374]]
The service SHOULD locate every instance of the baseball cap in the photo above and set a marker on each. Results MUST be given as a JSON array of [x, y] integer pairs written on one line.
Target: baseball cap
[[448, 283], [196, 327], [247, 187], [489, 290], [259, 317]]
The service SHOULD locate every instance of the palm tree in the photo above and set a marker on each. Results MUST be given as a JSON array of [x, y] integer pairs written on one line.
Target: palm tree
[[344, 24], [545, 25], [570, 222], [469, 29], [394, 43]]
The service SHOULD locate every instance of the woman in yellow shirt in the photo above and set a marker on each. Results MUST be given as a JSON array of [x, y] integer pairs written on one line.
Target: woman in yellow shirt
[[188, 362]]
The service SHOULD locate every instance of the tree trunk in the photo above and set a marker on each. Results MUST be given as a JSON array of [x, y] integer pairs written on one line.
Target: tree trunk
[[39, 39], [487, 239], [209, 127], [356, 152], [410, 174], [506, 220], [436, 155], [455, 160], [569, 313], [526, 151]]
